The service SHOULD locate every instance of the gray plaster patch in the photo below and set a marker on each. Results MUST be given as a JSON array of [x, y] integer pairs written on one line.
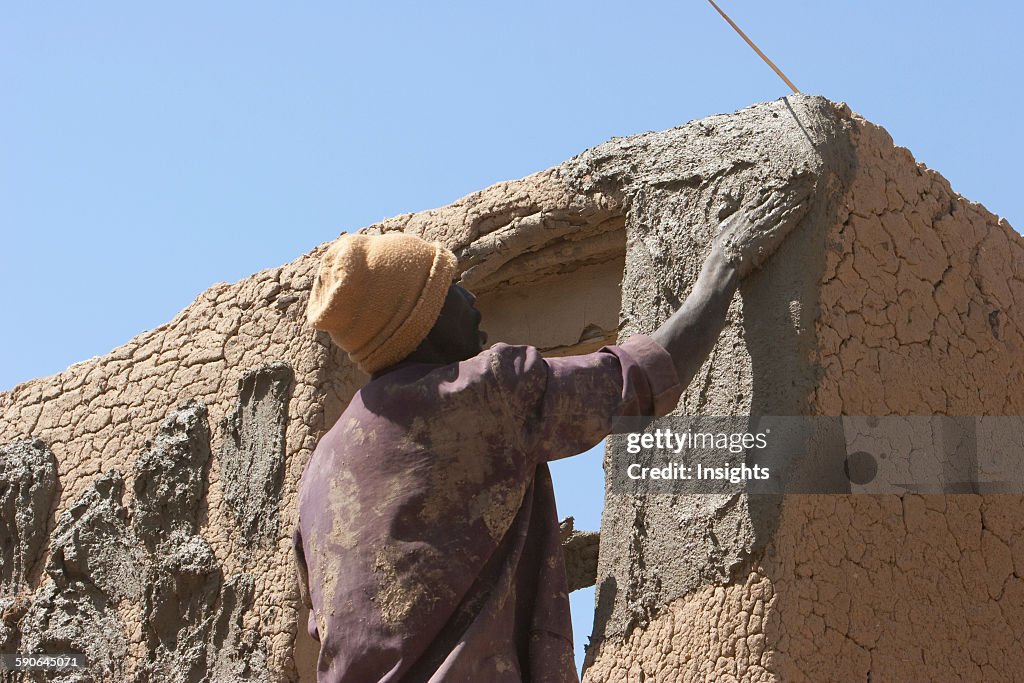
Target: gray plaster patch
[[93, 543], [184, 583], [181, 590], [94, 563], [77, 617], [252, 456], [107, 560], [28, 481], [234, 653], [677, 186], [170, 477]]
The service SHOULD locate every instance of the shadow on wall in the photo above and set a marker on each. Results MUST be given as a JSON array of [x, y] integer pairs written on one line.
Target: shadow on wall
[[307, 650]]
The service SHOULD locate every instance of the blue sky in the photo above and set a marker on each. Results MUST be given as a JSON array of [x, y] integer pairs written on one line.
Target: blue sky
[[147, 152]]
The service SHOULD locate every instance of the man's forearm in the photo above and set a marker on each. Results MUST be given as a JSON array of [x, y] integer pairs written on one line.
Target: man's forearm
[[691, 332]]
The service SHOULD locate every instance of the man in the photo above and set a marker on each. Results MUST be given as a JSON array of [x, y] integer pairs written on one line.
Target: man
[[427, 544]]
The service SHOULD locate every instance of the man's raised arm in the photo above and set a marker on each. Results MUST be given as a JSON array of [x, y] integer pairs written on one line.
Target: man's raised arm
[[744, 241]]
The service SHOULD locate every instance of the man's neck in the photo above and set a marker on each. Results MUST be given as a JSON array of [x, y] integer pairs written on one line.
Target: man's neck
[[426, 354]]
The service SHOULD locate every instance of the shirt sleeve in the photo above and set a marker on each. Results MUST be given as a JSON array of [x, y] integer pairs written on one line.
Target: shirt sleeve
[[567, 405]]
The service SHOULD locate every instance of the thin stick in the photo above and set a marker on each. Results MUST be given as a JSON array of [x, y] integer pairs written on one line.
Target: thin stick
[[755, 48]]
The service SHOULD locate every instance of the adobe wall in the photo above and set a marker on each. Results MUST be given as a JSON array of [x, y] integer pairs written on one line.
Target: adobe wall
[[896, 296], [174, 464], [149, 494]]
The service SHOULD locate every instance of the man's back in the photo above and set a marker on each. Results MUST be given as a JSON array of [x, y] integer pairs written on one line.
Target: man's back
[[427, 543], [427, 517]]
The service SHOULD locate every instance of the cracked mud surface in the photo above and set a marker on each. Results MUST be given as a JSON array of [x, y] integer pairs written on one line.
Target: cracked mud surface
[[914, 309], [895, 296]]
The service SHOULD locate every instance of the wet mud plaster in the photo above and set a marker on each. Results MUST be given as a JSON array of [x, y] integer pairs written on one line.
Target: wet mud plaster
[[170, 477], [98, 415], [139, 572], [183, 580], [880, 303], [95, 564], [679, 197], [856, 300], [28, 482], [190, 614], [252, 455]]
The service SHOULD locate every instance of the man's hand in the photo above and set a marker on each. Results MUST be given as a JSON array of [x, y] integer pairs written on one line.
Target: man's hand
[[744, 241], [753, 233]]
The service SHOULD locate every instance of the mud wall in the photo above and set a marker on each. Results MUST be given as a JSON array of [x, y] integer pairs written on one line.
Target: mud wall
[[147, 495], [176, 458], [894, 297]]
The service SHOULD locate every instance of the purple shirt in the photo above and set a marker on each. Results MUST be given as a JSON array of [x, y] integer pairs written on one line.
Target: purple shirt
[[427, 521]]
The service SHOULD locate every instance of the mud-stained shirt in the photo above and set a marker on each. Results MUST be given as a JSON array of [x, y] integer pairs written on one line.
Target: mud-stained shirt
[[427, 523]]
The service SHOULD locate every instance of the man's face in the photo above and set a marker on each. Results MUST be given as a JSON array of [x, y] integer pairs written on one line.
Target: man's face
[[458, 325]]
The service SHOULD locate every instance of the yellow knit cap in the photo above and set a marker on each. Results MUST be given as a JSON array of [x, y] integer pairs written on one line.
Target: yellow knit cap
[[379, 295]]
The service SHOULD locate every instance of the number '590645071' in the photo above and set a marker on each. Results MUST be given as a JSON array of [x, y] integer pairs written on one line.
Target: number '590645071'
[[41, 662]]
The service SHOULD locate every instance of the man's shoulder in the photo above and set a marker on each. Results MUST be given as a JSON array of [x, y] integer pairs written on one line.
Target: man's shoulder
[[498, 361], [424, 390]]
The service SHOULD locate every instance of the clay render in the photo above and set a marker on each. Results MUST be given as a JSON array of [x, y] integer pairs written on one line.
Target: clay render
[[427, 546], [174, 461]]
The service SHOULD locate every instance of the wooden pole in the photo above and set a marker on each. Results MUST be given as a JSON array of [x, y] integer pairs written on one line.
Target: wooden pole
[[755, 48]]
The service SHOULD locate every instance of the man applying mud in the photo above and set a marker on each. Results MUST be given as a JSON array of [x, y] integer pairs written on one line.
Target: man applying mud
[[427, 543]]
